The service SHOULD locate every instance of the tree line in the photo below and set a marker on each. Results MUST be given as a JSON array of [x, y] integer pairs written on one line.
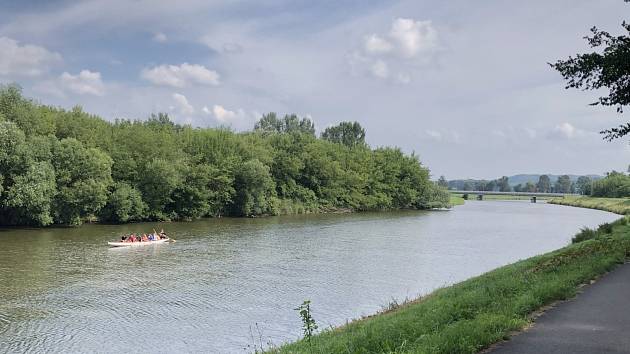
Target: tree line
[[563, 184], [67, 166]]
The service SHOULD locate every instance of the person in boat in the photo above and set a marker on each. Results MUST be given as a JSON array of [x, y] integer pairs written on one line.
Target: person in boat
[[162, 234], [144, 238], [123, 238], [132, 238]]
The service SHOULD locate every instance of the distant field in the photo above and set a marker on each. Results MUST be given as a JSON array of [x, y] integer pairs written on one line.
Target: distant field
[[614, 205]]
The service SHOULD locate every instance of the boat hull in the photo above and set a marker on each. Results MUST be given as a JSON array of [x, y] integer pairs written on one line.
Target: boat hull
[[134, 244]]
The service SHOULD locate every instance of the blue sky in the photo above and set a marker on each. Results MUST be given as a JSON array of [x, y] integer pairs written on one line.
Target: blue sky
[[463, 84]]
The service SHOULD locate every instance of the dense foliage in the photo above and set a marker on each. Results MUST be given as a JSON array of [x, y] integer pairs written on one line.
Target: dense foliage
[[66, 167], [615, 185], [608, 69]]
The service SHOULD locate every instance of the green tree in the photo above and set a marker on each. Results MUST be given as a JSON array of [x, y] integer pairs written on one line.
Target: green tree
[[255, 189], [583, 185], [614, 185], [124, 204], [347, 133], [442, 182], [11, 137], [503, 184], [606, 69], [157, 183], [66, 166], [563, 185], [529, 187], [192, 198], [83, 177], [544, 184], [32, 194], [290, 123]]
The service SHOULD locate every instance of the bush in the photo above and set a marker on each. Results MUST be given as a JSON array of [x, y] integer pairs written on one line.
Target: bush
[[615, 185], [584, 234]]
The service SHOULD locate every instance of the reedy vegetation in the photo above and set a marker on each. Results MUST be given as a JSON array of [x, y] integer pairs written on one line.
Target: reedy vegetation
[[65, 167]]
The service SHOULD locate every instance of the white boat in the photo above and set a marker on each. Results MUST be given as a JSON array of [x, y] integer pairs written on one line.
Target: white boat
[[137, 243]]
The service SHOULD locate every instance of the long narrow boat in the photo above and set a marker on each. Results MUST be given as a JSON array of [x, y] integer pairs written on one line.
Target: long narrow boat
[[137, 243]]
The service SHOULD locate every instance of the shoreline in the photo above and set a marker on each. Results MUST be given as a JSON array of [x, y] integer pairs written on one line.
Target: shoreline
[[335, 211], [619, 206], [468, 316]]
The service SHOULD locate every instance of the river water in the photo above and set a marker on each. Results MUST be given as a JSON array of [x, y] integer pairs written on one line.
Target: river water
[[228, 285]]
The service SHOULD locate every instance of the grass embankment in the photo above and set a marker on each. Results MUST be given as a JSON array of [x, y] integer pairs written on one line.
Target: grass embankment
[[456, 200], [613, 205], [474, 314]]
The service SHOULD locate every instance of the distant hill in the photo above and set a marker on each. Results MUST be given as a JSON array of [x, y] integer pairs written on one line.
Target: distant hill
[[515, 180]]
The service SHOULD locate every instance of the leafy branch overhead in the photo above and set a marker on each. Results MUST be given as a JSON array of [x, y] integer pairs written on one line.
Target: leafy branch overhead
[[608, 68]]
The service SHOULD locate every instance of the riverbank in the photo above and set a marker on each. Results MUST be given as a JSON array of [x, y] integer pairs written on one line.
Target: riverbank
[[474, 314], [614, 205], [456, 200]]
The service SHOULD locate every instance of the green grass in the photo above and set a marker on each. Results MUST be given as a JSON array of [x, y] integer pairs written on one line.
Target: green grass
[[614, 205], [474, 314], [456, 200]]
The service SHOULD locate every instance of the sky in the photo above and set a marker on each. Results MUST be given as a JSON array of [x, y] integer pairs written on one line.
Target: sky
[[463, 84]]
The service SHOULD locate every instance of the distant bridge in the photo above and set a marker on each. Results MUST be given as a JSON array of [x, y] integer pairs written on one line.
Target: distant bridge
[[533, 195]]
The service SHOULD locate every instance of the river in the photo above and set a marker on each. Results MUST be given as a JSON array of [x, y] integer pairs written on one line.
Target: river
[[228, 285]]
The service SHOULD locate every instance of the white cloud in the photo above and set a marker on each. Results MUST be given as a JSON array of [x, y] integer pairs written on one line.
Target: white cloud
[[25, 60], [380, 69], [435, 135], [413, 37], [183, 105], [84, 83], [407, 43], [224, 115], [564, 131], [377, 45], [181, 76], [160, 37]]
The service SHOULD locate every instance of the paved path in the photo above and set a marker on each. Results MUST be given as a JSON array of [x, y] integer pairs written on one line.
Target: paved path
[[596, 321]]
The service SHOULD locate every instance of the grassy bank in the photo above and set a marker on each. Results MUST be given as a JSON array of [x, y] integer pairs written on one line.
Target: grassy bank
[[614, 205], [456, 200], [472, 315]]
